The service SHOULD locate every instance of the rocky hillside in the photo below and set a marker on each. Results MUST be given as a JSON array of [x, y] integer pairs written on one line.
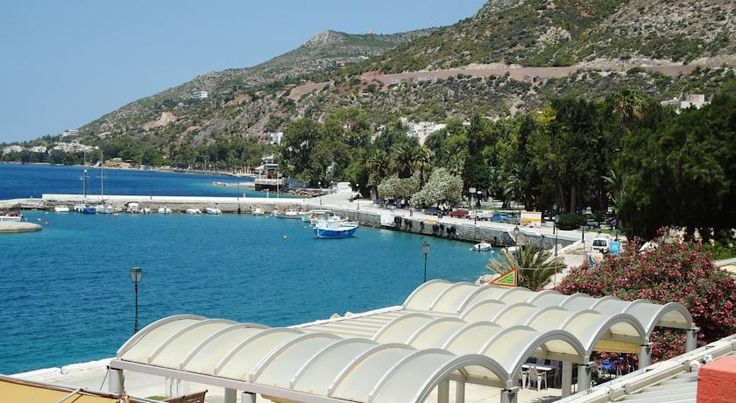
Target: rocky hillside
[[326, 50], [604, 43], [565, 32]]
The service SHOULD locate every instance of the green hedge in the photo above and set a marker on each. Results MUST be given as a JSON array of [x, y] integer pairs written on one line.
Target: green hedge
[[570, 221]]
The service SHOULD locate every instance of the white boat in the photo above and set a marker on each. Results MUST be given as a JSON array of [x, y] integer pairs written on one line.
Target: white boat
[[258, 211], [290, 213], [335, 229], [102, 209], [13, 217], [145, 210], [482, 247], [164, 210], [213, 211], [61, 209], [193, 211], [134, 208]]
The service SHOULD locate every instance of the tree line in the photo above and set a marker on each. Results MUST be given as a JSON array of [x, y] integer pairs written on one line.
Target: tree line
[[626, 153]]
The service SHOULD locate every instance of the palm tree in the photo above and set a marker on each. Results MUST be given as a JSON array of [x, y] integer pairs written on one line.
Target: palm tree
[[423, 163], [402, 161], [378, 165], [535, 264], [616, 181]]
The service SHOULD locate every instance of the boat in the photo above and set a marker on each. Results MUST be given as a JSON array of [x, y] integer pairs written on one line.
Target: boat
[[12, 217], [482, 247], [290, 213], [83, 208], [258, 211], [327, 229], [133, 208], [315, 216], [164, 210], [213, 211], [61, 209], [145, 210], [101, 208], [193, 211]]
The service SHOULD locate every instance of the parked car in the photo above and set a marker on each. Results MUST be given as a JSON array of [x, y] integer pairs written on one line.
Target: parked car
[[500, 217], [479, 215], [459, 213], [601, 243], [592, 223], [433, 211]]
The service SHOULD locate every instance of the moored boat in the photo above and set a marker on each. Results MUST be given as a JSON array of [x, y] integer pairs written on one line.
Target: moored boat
[[12, 217], [164, 210], [213, 211], [102, 209], [327, 229], [290, 214], [258, 211], [482, 246], [61, 209], [194, 211]]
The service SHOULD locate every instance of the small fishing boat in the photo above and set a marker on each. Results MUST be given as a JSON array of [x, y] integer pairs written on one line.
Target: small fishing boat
[[134, 208], [258, 211], [194, 211], [102, 209], [61, 209], [213, 211], [290, 214], [13, 217], [83, 208], [482, 246], [164, 210], [327, 229]]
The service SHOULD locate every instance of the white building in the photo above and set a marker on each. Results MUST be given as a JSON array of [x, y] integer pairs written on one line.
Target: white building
[[696, 101], [73, 147], [12, 149], [69, 132], [200, 95], [276, 137], [420, 130], [38, 149]]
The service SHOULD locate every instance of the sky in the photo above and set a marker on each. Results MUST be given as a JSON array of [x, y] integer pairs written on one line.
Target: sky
[[65, 63]]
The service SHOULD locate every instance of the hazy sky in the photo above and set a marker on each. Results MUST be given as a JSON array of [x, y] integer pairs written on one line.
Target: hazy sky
[[65, 63]]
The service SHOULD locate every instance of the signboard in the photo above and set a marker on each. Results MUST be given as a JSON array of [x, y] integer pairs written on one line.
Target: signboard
[[531, 218], [471, 191], [614, 248], [508, 279]]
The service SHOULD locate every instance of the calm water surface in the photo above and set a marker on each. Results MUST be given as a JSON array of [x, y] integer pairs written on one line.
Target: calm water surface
[[66, 296]]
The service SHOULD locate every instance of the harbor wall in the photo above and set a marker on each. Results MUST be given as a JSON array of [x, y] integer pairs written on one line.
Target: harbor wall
[[457, 229]]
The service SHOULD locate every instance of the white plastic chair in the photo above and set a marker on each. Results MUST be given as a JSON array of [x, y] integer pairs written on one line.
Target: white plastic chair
[[536, 376]]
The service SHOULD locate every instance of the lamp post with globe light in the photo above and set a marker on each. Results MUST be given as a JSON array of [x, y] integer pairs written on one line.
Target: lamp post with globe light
[[136, 273], [425, 251]]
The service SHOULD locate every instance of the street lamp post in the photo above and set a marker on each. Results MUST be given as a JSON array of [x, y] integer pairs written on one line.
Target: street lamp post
[[319, 184], [425, 250], [135, 276], [477, 203]]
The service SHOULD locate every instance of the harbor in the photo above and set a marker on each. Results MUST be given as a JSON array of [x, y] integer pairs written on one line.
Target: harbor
[[362, 211]]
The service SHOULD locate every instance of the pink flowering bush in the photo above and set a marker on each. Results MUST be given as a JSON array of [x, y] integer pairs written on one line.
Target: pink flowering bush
[[674, 271]]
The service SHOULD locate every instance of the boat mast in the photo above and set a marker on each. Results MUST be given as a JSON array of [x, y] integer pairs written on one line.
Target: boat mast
[[102, 178], [84, 187]]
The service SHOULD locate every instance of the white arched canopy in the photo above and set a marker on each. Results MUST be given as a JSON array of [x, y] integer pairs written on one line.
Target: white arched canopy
[[442, 331]]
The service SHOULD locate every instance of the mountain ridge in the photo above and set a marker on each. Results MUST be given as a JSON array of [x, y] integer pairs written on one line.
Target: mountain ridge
[[332, 70]]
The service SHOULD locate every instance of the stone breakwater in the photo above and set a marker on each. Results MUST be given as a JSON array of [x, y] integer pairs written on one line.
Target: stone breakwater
[[12, 227]]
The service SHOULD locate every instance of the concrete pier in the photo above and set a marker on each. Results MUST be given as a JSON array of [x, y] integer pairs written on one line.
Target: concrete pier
[[361, 211]]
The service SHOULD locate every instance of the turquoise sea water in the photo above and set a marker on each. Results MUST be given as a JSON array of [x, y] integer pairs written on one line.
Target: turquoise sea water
[[66, 295]]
